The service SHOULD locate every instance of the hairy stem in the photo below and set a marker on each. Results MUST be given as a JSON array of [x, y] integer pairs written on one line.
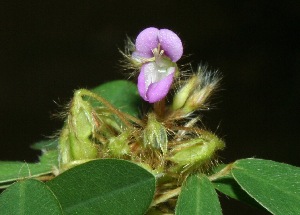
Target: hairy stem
[[84, 92], [167, 195], [221, 173], [160, 108]]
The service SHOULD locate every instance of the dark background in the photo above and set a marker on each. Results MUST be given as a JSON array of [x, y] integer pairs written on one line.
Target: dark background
[[50, 48]]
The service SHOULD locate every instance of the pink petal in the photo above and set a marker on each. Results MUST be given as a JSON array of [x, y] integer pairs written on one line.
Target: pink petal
[[146, 41], [142, 88], [171, 44], [157, 91]]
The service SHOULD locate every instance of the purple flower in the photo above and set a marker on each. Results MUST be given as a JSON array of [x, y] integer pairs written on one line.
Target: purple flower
[[157, 51]]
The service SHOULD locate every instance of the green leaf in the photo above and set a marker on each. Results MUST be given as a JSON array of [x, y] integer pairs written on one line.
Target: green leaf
[[45, 145], [198, 196], [231, 188], [276, 186], [122, 94], [29, 197], [14, 170], [105, 186]]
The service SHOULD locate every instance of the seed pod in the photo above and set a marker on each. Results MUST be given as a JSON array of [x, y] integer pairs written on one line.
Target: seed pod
[[155, 134]]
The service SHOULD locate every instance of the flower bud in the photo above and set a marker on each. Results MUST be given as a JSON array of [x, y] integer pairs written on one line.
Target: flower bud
[[207, 84], [197, 99], [73, 149], [195, 151], [82, 148], [80, 118], [75, 143], [184, 92], [155, 134], [118, 146], [64, 147]]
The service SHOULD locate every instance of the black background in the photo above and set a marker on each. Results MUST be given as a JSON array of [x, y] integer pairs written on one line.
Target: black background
[[50, 48]]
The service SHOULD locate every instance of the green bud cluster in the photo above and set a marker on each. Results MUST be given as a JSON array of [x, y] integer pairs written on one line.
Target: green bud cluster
[[90, 132], [165, 142], [101, 131]]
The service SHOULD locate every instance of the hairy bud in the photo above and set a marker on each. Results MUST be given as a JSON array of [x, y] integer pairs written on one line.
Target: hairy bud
[[75, 142], [155, 134], [196, 151]]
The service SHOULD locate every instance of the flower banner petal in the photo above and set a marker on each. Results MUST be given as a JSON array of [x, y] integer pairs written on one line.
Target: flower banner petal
[[171, 44], [146, 41]]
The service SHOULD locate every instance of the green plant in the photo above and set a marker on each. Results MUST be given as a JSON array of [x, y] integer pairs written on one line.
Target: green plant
[[115, 157]]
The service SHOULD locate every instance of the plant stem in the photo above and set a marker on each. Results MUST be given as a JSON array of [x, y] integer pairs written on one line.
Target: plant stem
[[134, 119], [160, 108], [167, 195], [221, 173], [45, 177]]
